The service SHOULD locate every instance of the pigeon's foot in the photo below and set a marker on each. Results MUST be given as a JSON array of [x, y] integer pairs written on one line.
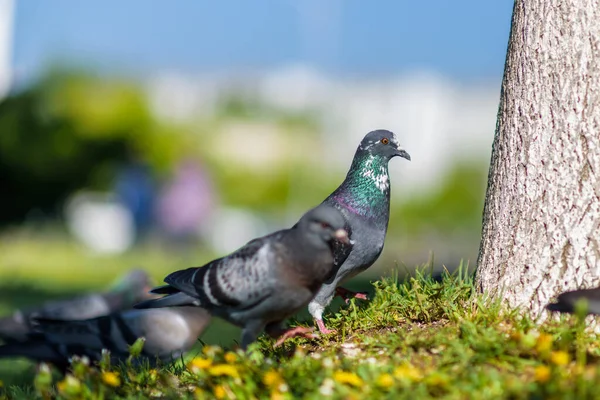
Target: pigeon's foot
[[348, 294], [299, 331], [323, 329]]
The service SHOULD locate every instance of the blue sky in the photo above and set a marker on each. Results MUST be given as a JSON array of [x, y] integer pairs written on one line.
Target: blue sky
[[462, 39]]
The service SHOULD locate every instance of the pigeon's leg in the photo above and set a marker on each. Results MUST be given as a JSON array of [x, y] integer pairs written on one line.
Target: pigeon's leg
[[250, 332], [276, 330], [316, 310], [348, 294]]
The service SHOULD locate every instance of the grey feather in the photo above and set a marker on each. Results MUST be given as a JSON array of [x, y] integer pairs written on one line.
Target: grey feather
[[267, 280], [168, 334], [129, 290], [566, 301]]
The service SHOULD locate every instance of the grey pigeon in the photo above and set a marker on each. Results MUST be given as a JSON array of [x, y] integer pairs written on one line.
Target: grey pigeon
[[168, 332], [566, 301], [266, 281], [364, 200], [129, 290]]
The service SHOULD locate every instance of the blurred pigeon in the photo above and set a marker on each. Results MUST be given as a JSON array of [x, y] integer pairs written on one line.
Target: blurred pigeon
[[129, 290], [364, 200], [566, 301], [266, 281], [168, 332]]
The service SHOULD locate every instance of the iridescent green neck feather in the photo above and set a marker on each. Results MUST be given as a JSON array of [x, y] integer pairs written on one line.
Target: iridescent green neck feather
[[366, 189]]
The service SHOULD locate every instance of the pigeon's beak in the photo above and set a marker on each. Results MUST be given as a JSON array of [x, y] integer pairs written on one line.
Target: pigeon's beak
[[402, 153], [342, 236]]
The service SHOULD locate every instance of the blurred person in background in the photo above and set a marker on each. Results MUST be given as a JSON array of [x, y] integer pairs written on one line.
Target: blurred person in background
[[135, 189], [185, 203]]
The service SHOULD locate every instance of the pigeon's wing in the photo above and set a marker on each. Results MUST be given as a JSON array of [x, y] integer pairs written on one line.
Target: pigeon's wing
[[566, 301], [14, 327], [112, 332], [240, 280], [78, 308]]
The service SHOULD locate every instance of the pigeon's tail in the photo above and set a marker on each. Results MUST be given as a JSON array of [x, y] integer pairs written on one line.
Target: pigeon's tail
[[165, 289], [35, 350], [560, 306], [171, 300], [13, 329]]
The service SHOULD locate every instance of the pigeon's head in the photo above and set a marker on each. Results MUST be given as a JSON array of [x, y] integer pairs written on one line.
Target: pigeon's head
[[382, 143], [136, 283], [324, 224]]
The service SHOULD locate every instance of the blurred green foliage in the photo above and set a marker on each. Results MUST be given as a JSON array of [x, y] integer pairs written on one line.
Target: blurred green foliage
[[456, 205], [73, 130], [68, 131]]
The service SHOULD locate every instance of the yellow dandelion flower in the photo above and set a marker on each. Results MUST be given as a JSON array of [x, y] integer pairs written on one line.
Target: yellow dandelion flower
[[277, 396], [543, 343], [211, 351], [272, 379], [69, 385], [224, 370], [349, 378], [407, 371], [559, 358], [385, 381], [230, 357], [198, 364], [542, 373], [111, 378], [61, 386], [220, 392]]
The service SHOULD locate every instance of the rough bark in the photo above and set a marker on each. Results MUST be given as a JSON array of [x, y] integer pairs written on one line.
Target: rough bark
[[541, 222]]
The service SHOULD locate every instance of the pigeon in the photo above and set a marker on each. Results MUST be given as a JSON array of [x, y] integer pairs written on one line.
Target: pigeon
[[130, 289], [260, 285], [566, 301], [168, 334], [364, 200]]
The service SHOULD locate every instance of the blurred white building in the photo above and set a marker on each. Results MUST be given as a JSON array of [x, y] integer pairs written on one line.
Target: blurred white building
[[6, 42], [438, 120]]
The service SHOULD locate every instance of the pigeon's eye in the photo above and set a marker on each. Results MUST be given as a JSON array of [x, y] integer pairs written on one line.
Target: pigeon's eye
[[385, 140], [325, 225]]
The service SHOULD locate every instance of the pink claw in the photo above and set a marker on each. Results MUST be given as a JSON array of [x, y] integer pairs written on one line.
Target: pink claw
[[348, 294], [323, 329], [298, 331]]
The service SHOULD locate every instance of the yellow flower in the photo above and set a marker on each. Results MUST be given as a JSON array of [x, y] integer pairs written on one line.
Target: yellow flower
[[277, 396], [542, 373], [407, 371], [385, 381], [224, 369], [559, 357], [69, 385], [349, 378], [211, 351], [230, 357], [543, 343], [111, 378], [197, 364], [273, 379], [220, 392]]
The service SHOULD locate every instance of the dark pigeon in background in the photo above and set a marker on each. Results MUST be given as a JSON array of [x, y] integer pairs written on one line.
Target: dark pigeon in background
[[168, 333], [129, 290], [566, 301], [266, 281], [364, 200]]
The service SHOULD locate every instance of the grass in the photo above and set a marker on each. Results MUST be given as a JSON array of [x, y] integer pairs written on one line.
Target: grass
[[418, 338]]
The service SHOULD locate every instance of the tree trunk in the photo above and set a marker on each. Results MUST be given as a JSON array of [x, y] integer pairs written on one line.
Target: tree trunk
[[541, 219]]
